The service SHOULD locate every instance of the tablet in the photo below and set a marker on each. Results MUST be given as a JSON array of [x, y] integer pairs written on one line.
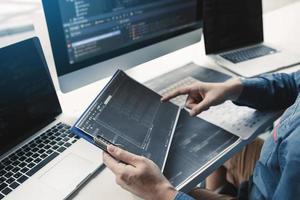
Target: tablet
[[131, 116]]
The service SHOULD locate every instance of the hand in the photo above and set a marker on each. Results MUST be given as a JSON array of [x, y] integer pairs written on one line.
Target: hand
[[139, 176], [201, 96]]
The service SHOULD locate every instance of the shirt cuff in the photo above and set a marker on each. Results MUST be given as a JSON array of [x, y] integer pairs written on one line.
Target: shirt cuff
[[249, 96], [182, 196]]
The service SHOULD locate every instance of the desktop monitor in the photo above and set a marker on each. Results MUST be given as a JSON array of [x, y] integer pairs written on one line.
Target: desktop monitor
[[91, 39]]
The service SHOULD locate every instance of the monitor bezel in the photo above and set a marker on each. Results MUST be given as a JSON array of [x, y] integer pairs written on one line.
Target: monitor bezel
[[59, 51]]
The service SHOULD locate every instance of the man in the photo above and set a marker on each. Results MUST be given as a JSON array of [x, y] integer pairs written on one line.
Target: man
[[275, 174]]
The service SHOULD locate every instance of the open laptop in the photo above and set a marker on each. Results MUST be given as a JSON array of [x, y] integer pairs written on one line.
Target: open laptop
[[234, 38], [39, 157]]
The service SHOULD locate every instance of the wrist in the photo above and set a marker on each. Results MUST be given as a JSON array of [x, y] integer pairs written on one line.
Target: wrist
[[234, 88], [165, 192]]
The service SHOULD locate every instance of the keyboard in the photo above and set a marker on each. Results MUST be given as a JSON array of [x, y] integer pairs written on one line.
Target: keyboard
[[238, 120], [180, 100], [26, 161], [248, 53]]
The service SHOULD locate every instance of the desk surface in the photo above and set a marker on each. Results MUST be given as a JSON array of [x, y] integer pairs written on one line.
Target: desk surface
[[281, 27]]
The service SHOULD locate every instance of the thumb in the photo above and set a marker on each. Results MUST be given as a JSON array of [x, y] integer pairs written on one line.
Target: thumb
[[202, 106], [122, 155]]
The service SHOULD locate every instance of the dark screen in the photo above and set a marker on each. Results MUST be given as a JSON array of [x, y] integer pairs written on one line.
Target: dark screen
[[85, 32], [231, 24], [28, 99]]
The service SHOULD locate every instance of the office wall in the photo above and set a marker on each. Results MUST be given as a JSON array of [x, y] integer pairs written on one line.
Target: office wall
[[270, 5]]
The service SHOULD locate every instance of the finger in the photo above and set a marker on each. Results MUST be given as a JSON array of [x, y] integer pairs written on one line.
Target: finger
[[126, 176], [202, 106], [175, 93], [123, 184], [112, 164], [190, 103], [122, 155]]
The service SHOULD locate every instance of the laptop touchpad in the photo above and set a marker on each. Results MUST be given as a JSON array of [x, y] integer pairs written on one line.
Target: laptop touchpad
[[67, 173]]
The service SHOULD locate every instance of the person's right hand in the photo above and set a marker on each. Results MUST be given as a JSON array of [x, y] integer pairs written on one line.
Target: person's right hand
[[201, 95], [139, 175]]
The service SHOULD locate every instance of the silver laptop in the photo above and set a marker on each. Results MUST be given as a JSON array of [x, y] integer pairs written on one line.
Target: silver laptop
[[39, 157], [234, 38]]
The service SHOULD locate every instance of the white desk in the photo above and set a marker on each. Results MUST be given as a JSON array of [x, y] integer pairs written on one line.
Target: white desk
[[281, 27]]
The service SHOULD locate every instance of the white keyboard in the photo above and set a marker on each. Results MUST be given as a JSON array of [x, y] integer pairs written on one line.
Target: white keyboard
[[238, 120]]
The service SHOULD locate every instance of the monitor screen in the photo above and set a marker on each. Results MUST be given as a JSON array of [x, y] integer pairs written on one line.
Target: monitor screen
[[84, 32], [28, 98], [232, 24]]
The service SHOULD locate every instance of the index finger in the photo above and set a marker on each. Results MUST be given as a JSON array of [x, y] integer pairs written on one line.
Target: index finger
[[123, 155], [112, 164], [175, 93]]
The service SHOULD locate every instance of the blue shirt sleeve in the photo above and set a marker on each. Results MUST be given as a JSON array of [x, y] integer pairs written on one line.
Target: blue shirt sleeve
[[270, 91], [182, 196], [289, 160]]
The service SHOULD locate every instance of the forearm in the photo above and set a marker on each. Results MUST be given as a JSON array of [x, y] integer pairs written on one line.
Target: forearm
[[272, 91], [165, 192]]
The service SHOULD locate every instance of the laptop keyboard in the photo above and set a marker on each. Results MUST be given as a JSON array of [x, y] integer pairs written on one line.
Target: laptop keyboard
[[248, 54], [25, 162], [180, 100]]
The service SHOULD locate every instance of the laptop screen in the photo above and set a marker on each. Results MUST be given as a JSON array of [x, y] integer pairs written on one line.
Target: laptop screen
[[28, 99], [232, 24]]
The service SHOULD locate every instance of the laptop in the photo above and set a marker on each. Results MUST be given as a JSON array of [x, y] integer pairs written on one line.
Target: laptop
[[234, 38], [39, 157]]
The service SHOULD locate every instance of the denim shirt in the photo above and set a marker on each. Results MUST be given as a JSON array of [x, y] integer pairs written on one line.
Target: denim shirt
[[277, 173]]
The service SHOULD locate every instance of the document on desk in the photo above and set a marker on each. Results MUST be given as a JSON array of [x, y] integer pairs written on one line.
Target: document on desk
[[241, 121], [131, 116], [196, 145]]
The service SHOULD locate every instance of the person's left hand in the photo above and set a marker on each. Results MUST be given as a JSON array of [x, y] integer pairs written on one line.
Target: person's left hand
[[139, 175]]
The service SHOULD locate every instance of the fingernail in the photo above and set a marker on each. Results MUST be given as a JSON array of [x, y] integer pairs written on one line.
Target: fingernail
[[111, 148]]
